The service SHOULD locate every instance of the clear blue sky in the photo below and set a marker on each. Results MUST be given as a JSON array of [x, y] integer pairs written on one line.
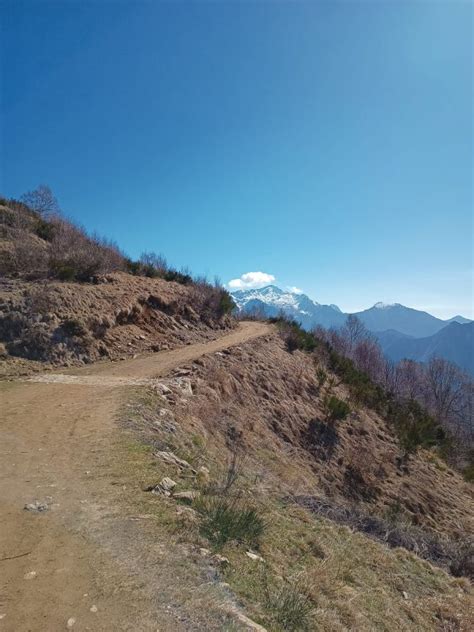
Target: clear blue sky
[[327, 144]]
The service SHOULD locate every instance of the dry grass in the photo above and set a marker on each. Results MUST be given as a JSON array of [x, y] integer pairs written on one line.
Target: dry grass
[[316, 574]]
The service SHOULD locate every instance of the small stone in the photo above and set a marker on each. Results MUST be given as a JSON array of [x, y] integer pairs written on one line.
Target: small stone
[[405, 595], [30, 575], [36, 506], [2, 616], [204, 552], [70, 623], [220, 560], [94, 608], [254, 556]]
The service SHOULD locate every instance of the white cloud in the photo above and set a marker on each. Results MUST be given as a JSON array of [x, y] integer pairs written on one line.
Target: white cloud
[[251, 280], [294, 290]]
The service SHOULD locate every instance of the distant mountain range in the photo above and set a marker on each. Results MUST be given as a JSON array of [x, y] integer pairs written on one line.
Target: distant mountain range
[[455, 342], [403, 332]]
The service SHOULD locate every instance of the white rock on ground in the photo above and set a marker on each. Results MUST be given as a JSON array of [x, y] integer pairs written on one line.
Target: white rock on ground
[[172, 459], [167, 484]]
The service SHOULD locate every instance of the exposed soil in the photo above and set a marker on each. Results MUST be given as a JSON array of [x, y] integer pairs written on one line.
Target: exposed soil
[[67, 324], [87, 560]]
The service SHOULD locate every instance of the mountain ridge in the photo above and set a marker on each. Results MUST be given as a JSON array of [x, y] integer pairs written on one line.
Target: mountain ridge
[[380, 317], [455, 343]]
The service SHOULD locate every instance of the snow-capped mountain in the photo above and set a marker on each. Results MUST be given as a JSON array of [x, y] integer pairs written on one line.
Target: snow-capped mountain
[[408, 321], [271, 300]]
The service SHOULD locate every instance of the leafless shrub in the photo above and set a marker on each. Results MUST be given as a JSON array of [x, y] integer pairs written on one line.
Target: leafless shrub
[[78, 256]]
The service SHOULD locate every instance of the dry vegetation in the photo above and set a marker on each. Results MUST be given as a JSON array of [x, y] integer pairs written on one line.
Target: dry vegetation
[[67, 297], [352, 532]]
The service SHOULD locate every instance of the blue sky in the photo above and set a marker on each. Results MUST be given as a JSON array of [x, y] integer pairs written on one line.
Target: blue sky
[[326, 144]]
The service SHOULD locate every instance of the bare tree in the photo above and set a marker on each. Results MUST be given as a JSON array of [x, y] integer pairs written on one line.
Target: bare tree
[[445, 382], [411, 380], [42, 200], [354, 331], [368, 357]]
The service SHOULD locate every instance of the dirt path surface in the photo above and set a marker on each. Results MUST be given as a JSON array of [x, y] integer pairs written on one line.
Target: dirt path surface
[[83, 563]]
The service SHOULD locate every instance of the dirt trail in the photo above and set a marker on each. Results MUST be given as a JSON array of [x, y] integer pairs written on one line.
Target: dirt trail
[[60, 565]]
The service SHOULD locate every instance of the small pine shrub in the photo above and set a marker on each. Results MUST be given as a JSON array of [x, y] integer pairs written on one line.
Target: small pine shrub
[[294, 335], [321, 377], [45, 229], [178, 277], [72, 327], [132, 267], [225, 520], [335, 409], [64, 272], [226, 303]]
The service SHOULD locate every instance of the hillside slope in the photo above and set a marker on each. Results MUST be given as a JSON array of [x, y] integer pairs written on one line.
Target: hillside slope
[[311, 481], [72, 323]]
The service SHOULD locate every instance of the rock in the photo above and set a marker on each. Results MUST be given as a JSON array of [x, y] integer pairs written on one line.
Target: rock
[[220, 560], [184, 385], [168, 483], [165, 486], [254, 556], [188, 495], [204, 552], [36, 506], [70, 623], [182, 372], [93, 609], [30, 575], [163, 389], [172, 459], [405, 594], [3, 350]]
